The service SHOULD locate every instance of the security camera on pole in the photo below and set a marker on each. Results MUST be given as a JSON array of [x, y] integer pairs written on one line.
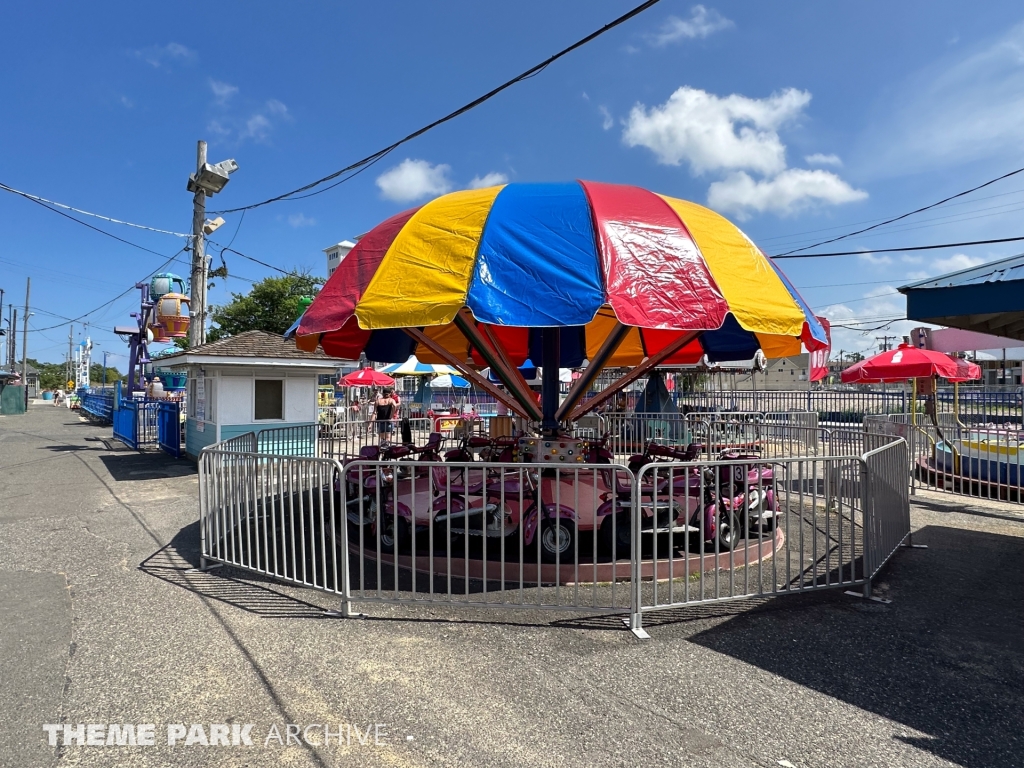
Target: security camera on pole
[[207, 180]]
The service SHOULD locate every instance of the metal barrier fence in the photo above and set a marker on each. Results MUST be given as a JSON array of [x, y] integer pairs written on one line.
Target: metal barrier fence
[[768, 527], [169, 428], [125, 421], [580, 537], [135, 422], [976, 405], [978, 461], [488, 534], [288, 441], [99, 405]]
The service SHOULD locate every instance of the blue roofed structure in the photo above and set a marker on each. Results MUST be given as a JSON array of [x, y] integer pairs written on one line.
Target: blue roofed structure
[[985, 299]]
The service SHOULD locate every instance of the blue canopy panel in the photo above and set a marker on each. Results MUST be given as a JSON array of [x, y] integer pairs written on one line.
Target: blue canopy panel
[[813, 324], [730, 342], [572, 346], [389, 345], [537, 263]]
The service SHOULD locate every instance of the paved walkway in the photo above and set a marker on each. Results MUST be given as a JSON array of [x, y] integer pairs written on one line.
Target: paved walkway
[[100, 622]]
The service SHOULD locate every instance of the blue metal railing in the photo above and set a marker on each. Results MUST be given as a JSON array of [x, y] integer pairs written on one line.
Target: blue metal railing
[[99, 404], [168, 421], [126, 423]]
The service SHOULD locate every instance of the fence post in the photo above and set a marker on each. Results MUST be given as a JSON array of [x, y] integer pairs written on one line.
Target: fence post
[[868, 525], [635, 614]]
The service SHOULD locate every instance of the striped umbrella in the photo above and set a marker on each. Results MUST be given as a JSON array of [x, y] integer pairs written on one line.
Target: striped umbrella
[[413, 367], [631, 278]]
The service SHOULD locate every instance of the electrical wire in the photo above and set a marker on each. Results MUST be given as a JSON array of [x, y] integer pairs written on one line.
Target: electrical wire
[[909, 213], [941, 221], [97, 229], [116, 298], [534, 70], [38, 199], [793, 235], [793, 255]]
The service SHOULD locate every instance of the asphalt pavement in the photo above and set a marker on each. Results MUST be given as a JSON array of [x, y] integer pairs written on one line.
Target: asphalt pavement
[[102, 622]]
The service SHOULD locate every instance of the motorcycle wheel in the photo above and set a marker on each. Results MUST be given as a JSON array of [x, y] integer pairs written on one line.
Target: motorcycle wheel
[[369, 514], [557, 541], [393, 534], [727, 532], [617, 530]]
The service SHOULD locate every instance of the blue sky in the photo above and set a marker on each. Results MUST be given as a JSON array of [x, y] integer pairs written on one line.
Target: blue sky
[[798, 120]]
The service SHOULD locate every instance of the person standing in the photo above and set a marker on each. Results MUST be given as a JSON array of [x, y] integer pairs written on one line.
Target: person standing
[[383, 415]]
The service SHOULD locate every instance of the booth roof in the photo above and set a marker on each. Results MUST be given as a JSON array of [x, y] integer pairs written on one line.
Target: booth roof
[[251, 344]]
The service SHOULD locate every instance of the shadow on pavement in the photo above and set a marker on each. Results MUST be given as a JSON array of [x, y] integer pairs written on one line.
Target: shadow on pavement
[[146, 466], [946, 658], [175, 563]]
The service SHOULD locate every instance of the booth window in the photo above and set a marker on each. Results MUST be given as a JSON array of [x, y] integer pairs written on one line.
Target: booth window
[[269, 399]]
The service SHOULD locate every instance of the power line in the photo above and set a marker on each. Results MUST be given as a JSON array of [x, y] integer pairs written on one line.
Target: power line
[[119, 296], [940, 221], [90, 226], [793, 235], [369, 159], [793, 255], [905, 215], [43, 200]]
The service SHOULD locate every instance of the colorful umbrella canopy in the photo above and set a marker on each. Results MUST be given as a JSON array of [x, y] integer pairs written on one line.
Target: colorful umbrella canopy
[[448, 381], [560, 273], [413, 367], [367, 377], [909, 362], [582, 256]]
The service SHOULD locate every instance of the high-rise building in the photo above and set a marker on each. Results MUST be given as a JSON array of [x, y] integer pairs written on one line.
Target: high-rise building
[[336, 254]]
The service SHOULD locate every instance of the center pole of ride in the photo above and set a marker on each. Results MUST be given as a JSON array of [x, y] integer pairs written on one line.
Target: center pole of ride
[[551, 339]]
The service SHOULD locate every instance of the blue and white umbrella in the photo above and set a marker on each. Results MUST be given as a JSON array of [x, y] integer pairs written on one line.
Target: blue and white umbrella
[[413, 367], [449, 381]]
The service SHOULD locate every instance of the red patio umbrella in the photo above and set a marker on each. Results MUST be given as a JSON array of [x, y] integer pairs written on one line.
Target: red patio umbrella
[[367, 377], [904, 362], [966, 371]]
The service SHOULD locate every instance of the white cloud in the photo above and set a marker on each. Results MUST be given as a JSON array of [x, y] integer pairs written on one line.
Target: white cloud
[[275, 107], [607, 121], [820, 159], [158, 56], [967, 106], [955, 263], [258, 125], [222, 91], [491, 179], [414, 179], [716, 133], [875, 261], [789, 192], [126, 102], [868, 312], [301, 220], [701, 23], [585, 96]]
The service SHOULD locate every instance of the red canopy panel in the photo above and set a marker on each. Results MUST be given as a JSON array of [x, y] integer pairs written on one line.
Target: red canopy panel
[[655, 276], [336, 302]]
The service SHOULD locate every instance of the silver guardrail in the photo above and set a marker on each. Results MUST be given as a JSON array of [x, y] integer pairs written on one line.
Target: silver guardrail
[[606, 538]]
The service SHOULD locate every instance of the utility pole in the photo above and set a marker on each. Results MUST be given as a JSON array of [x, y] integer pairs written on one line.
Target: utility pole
[[71, 360], [12, 347], [197, 326], [885, 342], [24, 341], [2, 316]]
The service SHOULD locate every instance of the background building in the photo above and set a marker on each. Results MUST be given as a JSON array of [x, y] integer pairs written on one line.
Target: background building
[[336, 254]]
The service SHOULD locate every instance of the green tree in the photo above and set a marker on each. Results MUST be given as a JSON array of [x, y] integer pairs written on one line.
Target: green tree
[[270, 305]]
